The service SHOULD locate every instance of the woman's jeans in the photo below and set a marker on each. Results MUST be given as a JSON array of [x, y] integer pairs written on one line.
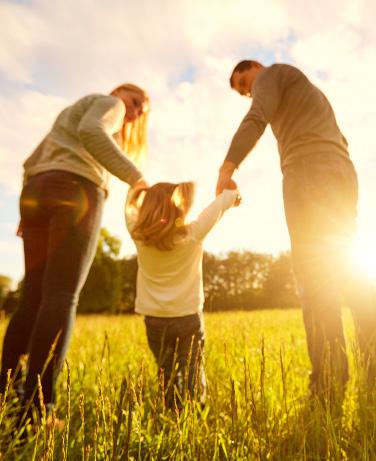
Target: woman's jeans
[[177, 344], [320, 199], [60, 218]]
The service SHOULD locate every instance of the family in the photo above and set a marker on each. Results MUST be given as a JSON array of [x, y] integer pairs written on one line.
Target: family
[[64, 189]]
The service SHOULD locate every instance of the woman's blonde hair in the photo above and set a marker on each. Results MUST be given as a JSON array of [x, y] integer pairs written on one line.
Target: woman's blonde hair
[[134, 134], [162, 210]]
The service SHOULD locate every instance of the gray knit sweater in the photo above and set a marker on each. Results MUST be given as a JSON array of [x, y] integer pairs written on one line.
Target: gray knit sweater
[[299, 114], [82, 141]]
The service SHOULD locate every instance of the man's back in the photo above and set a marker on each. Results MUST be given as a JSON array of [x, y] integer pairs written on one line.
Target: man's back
[[300, 116]]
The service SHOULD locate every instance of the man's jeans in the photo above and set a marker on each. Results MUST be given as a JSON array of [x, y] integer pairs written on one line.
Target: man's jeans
[[320, 199], [177, 344], [60, 216]]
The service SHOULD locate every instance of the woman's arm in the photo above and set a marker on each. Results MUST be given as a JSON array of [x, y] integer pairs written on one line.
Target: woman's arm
[[103, 119]]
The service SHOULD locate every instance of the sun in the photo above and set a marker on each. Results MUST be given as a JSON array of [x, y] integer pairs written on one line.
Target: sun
[[363, 254]]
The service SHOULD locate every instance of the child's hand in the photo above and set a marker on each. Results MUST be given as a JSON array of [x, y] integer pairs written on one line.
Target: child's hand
[[238, 200], [232, 186]]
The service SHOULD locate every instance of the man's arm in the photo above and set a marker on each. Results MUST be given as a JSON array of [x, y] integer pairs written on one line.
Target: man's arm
[[245, 138], [266, 98], [225, 174], [249, 132]]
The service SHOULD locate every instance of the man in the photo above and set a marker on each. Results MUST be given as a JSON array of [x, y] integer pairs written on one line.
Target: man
[[320, 197]]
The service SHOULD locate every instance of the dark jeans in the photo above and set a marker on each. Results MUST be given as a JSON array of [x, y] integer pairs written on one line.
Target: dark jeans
[[60, 215], [178, 346], [320, 199]]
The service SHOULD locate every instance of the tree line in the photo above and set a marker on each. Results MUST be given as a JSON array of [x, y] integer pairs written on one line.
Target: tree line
[[233, 281]]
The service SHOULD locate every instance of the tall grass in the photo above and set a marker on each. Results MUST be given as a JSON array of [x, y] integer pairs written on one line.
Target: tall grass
[[257, 406]]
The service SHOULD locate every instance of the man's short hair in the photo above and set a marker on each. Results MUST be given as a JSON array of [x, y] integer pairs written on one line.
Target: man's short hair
[[240, 67]]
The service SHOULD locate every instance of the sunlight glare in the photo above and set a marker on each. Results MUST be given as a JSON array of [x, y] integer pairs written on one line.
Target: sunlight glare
[[364, 255]]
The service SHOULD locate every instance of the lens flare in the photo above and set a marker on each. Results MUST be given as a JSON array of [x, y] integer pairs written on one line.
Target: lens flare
[[363, 254]]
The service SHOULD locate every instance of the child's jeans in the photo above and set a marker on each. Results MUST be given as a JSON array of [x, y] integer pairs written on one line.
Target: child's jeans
[[178, 345]]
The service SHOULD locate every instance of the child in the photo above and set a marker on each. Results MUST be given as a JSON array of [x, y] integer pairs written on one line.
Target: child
[[169, 282]]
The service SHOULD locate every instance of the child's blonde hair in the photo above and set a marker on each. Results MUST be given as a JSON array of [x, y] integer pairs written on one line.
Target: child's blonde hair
[[162, 210], [134, 133]]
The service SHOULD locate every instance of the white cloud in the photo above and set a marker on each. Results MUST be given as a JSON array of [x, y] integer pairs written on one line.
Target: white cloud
[[26, 117], [22, 30]]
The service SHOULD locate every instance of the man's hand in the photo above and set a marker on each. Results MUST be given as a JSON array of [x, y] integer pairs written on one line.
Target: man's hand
[[224, 182], [224, 179], [231, 184]]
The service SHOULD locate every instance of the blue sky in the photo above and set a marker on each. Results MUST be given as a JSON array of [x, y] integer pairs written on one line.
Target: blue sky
[[182, 52]]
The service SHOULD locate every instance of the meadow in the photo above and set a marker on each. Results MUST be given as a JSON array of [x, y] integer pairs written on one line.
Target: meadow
[[257, 406]]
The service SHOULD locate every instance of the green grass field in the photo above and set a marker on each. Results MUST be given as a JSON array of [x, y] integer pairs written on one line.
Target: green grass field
[[257, 371]]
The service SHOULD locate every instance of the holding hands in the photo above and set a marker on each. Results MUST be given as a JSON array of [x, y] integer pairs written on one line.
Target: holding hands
[[225, 180], [140, 184]]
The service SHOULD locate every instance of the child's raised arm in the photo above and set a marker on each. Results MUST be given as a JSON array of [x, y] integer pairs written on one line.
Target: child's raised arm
[[213, 213]]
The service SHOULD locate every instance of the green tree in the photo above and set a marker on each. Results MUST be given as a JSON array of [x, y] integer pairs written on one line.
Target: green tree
[[5, 288], [129, 268], [235, 281], [103, 288], [280, 286]]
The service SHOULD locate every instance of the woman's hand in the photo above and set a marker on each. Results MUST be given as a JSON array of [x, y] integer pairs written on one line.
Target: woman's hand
[[140, 184], [135, 191]]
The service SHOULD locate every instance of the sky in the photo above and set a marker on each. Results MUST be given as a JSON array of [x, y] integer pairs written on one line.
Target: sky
[[182, 52]]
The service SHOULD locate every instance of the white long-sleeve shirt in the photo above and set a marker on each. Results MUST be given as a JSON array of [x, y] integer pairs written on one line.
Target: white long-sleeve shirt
[[169, 283]]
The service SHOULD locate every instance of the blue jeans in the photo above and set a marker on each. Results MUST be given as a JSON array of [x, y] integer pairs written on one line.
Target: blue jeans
[[177, 344], [320, 197], [60, 216]]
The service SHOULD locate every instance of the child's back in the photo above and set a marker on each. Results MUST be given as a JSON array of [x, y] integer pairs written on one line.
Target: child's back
[[169, 280]]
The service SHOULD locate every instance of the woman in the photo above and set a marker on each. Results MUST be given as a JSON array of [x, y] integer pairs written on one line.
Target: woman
[[65, 184]]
